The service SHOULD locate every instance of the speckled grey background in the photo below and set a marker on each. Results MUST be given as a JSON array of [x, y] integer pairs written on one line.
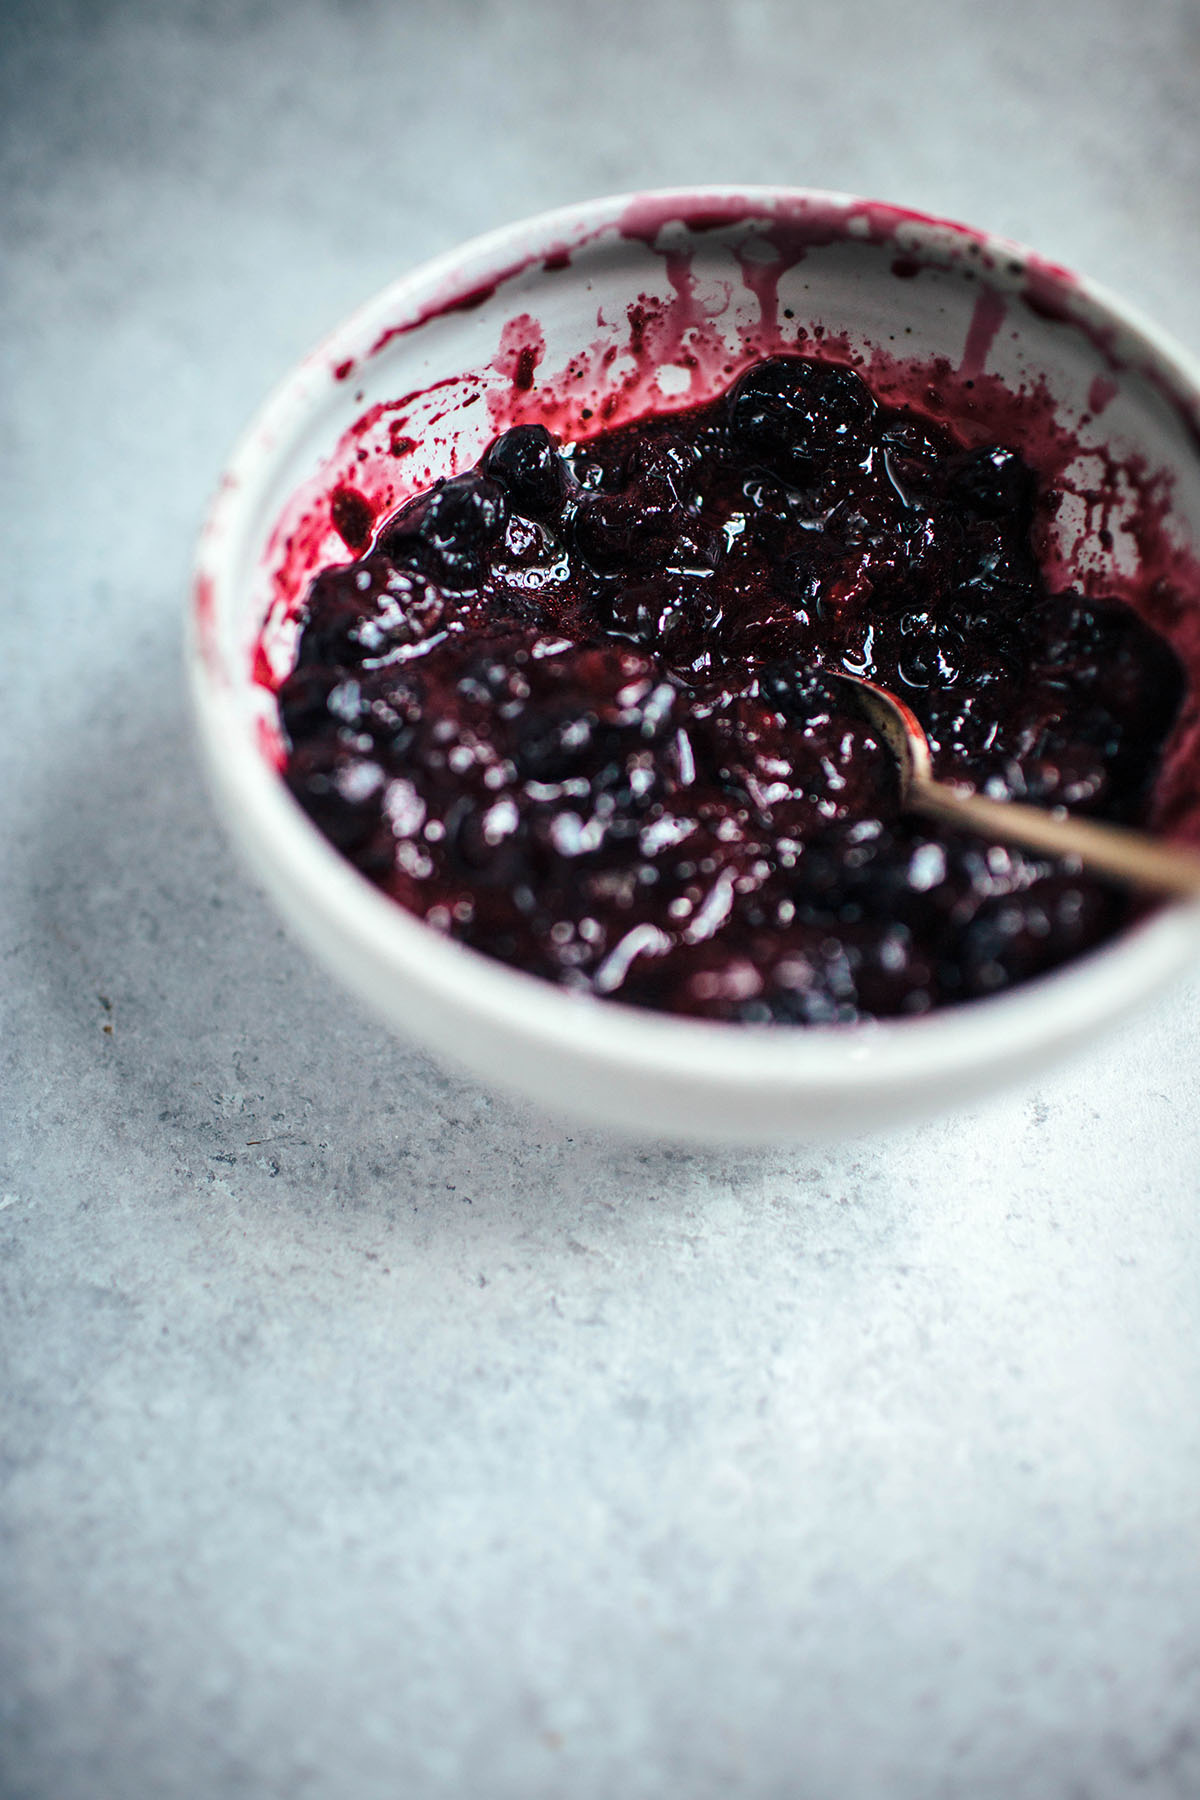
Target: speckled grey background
[[362, 1434]]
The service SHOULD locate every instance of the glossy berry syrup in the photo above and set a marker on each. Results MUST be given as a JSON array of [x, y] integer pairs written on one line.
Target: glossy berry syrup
[[573, 708]]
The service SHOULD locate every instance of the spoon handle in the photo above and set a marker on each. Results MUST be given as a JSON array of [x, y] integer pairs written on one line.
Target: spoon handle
[[1109, 849]]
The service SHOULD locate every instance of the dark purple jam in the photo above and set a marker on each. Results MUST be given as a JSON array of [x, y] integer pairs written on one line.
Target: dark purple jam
[[573, 708]]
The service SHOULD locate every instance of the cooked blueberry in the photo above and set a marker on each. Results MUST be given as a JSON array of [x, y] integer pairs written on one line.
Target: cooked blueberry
[[912, 453], [995, 483], [803, 694], [614, 534], [792, 412], [806, 575], [303, 700], [1103, 651], [665, 467], [670, 618], [526, 463], [449, 530]]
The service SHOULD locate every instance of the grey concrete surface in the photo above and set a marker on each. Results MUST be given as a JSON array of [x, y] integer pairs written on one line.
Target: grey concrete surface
[[361, 1433]]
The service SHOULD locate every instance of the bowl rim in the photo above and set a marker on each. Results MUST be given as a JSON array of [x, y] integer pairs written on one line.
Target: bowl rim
[[1069, 1002]]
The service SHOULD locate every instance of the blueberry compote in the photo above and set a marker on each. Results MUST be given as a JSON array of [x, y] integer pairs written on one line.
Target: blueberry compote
[[573, 708]]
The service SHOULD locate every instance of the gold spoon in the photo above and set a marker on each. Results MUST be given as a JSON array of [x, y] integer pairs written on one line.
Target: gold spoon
[[1110, 849]]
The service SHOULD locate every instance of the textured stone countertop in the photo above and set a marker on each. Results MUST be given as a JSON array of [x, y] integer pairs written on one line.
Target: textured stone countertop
[[361, 1433]]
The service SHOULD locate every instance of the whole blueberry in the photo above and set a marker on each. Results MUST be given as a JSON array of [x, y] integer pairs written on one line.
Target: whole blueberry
[[793, 414], [526, 463], [449, 530]]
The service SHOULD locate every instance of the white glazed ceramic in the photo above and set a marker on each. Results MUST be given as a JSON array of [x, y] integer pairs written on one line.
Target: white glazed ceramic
[[727, 261]]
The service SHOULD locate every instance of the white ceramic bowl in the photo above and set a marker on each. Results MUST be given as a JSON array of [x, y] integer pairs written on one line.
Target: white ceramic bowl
[[652, 299]]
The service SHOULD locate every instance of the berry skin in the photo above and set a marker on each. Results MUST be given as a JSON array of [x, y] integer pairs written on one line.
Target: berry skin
[[526, 464], [449, 531], [792, 413]]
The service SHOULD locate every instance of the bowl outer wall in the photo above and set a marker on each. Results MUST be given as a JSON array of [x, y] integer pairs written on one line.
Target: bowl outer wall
[[603, 1061]]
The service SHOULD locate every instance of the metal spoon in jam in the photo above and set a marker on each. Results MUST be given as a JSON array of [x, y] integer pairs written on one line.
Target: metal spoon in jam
[[1109, 849]]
